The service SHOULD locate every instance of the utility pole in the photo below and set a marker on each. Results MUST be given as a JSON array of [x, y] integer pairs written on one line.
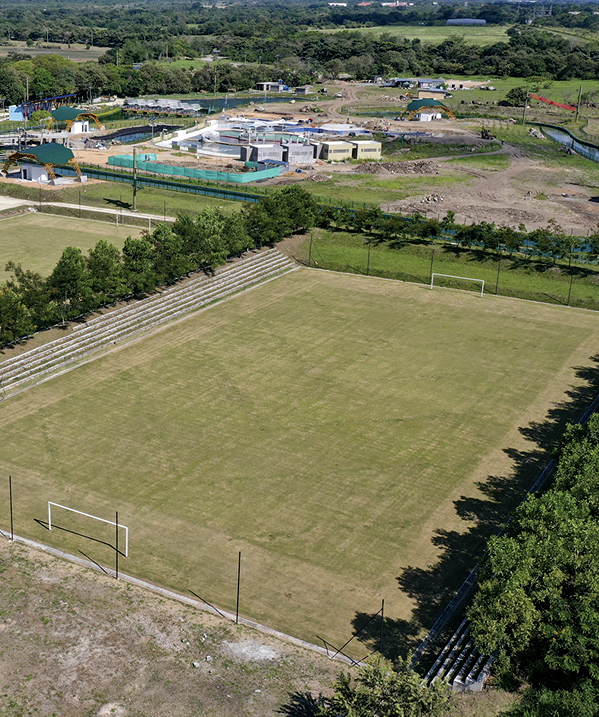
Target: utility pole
[[524, 111], [134, 179], [578, 105]]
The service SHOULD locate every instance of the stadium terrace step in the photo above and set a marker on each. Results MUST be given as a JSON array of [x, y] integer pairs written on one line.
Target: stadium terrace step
[[42, 363], [460, 664]]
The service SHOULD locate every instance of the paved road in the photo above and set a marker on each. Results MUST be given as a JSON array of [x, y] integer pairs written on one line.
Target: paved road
[[109, 210]]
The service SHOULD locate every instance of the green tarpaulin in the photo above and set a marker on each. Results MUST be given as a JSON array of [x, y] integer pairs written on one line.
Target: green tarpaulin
[[126, 160]]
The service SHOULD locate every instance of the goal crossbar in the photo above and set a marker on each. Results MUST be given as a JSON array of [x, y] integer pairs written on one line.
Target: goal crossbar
[[87, 515], [463, 278]]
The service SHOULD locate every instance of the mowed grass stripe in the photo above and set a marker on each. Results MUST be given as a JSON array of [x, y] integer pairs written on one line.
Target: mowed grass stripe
[[316, 423]]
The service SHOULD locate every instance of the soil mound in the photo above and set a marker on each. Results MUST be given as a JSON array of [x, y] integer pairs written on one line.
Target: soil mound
[[419, 167]]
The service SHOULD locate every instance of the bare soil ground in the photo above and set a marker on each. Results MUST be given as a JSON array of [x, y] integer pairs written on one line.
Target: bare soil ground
[[74, 642]]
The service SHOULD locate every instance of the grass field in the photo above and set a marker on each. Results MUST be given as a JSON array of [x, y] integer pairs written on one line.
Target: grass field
[[478, 35], [119, 195], [37, 240], [328, 426], [76, 53], [360, 188], [485, 35], [519, 277]]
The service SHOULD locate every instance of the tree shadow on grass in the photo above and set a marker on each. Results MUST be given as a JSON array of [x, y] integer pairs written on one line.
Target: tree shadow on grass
[[118, 203], [432, 588], [301, 704]]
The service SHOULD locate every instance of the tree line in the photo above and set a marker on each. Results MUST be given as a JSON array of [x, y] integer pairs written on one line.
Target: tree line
[[268, 42], [537, 604], [80, 282], [51, 75], [548, 243]]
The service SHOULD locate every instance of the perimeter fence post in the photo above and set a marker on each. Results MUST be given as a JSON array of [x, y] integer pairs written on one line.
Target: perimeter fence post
[[238, 584], [12, 531], [116, 553]]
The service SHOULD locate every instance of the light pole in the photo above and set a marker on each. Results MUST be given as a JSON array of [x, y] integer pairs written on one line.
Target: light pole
[[134, 179]]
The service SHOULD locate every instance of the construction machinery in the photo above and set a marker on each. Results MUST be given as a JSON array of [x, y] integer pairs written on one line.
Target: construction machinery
[[485, 134]]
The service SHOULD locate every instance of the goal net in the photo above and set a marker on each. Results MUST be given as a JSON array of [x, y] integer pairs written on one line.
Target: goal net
[[454, 284], [56, 511]]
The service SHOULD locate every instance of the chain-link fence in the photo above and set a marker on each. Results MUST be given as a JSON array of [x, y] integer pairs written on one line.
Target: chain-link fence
[[518, 276]]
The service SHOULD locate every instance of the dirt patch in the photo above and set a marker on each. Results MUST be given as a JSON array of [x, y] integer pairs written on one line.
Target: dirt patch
[[74, 642], [251, 651]]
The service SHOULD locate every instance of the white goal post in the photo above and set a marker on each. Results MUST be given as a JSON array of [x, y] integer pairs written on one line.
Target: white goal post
[[87, 515], [463, 278]]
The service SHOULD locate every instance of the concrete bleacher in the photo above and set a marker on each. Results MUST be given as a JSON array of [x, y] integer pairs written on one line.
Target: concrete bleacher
[[460, 664], [121, 325]]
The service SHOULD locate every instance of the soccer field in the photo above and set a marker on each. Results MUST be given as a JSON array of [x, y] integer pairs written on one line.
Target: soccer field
[[327, 426], [38, 240]]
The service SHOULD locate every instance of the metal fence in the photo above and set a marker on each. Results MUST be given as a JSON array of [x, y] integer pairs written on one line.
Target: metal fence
[[156, 183]]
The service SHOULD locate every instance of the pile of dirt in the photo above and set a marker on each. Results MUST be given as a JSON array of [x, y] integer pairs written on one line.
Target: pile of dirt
[[432, 199], [376, 125], [420, 167]]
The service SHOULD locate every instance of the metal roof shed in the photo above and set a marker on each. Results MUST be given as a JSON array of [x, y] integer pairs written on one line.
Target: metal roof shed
[[50, 155]]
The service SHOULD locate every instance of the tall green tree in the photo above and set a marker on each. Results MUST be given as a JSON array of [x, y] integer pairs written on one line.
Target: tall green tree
[[15, 319], [169, 261], [106, 270], [537, 603], [382, 689], [33, 291], [138, 258], [70, 282]]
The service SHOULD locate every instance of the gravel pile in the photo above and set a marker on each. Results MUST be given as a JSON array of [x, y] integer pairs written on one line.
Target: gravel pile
[[420, 167]]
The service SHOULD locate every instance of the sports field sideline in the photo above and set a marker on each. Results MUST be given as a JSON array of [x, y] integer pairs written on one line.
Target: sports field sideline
[[323, 424]]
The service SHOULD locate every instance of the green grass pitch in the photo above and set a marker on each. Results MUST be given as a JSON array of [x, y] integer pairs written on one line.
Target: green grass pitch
[[38, 240], [323, 424]]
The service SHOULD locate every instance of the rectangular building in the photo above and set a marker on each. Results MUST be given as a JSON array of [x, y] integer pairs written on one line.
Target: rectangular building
[[259, 152], [366, 149], [297, 153], [271, 86], [336, 151]]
